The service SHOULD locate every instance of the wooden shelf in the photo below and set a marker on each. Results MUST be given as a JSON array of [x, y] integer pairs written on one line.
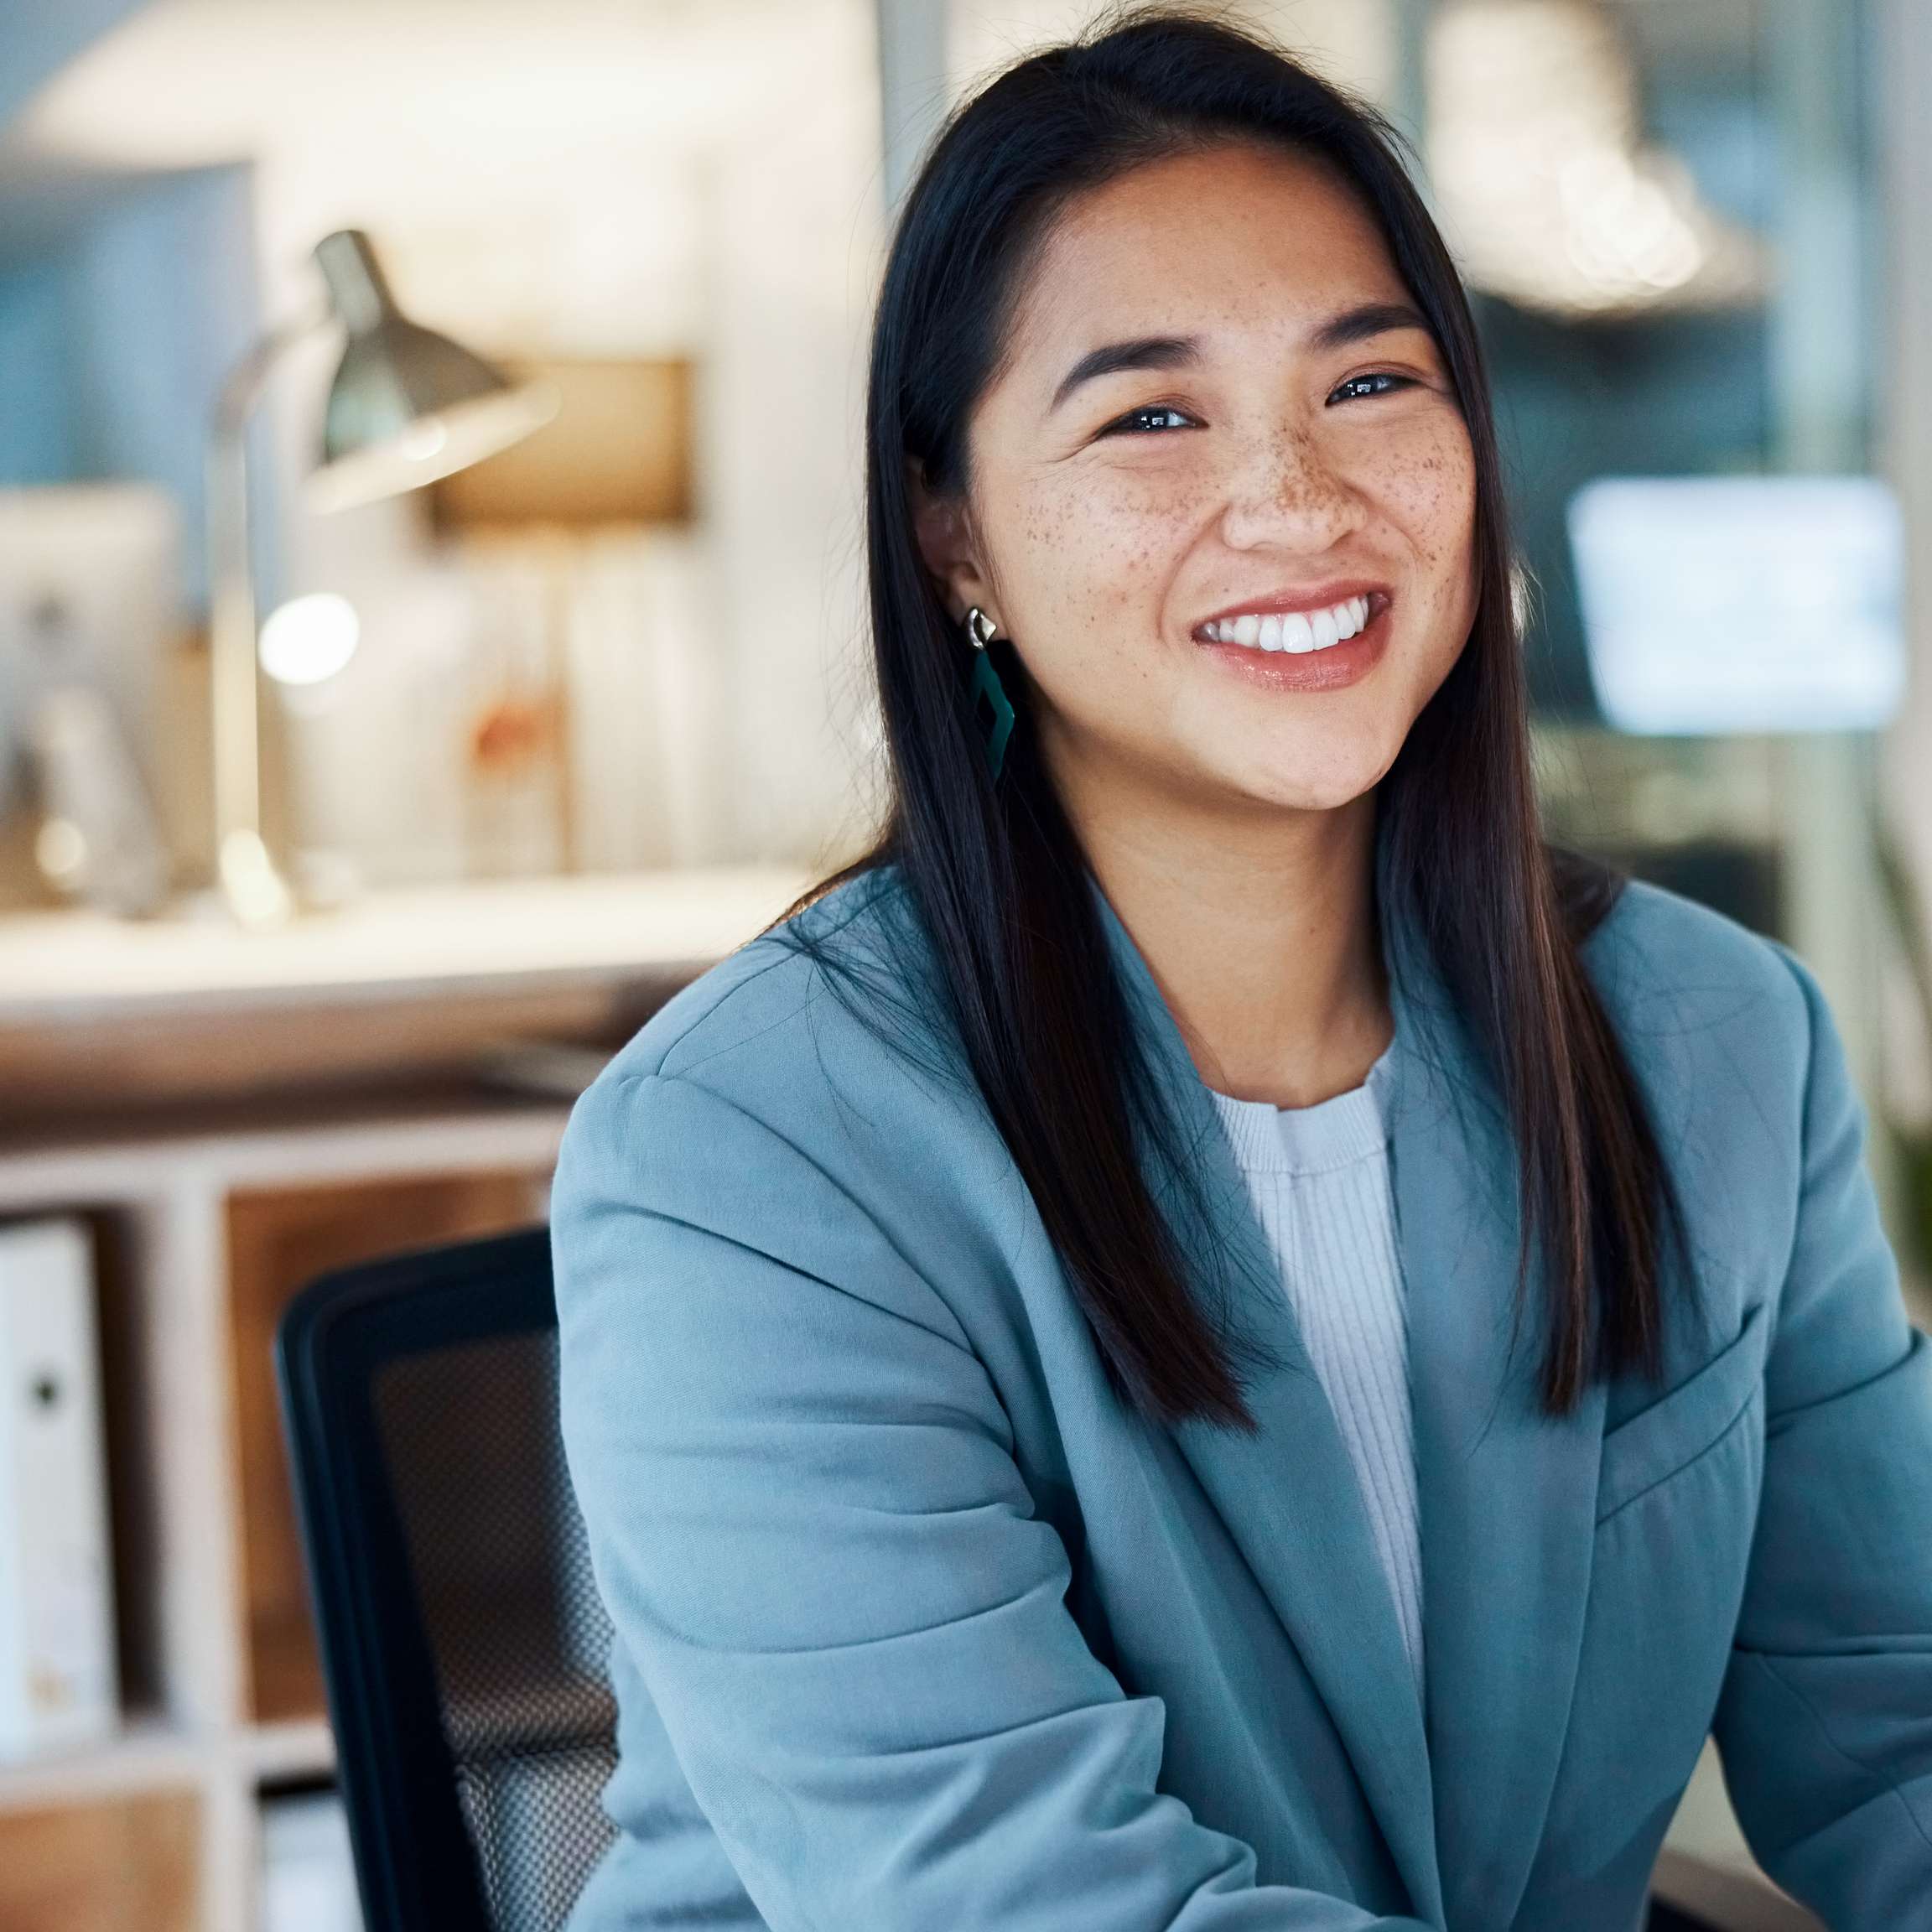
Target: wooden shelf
[[299, 1749], [149, 1754]]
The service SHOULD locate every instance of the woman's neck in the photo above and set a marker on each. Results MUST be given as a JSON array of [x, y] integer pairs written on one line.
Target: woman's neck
[[1261, 934]]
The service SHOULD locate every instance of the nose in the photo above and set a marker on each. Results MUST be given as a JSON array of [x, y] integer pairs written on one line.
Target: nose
[[1284, 493]]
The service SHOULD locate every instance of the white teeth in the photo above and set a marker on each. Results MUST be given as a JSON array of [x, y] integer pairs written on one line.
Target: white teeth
[[1292, 629]]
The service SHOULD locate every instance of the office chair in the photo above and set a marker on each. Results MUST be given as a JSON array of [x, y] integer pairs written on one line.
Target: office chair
[[462, 1637], [463, 1642]]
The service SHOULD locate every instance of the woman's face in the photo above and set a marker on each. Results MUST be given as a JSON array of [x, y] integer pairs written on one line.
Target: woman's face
[[1219, 425]]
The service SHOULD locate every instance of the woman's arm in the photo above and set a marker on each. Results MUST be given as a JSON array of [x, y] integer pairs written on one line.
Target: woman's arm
[[1824, 1727], [808, 1523]]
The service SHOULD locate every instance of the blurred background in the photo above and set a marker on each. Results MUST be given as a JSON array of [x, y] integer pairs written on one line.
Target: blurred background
[[432, 630]]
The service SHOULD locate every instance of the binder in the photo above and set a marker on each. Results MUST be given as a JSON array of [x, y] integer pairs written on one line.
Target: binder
[[58, 1684], [307, 1870]]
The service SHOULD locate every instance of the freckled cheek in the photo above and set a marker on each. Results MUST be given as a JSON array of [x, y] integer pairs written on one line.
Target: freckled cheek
[[1428, 493], [1087, 558]]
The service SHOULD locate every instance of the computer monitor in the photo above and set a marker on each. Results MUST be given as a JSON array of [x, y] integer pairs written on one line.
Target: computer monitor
[[1742, 604], [91, 592]]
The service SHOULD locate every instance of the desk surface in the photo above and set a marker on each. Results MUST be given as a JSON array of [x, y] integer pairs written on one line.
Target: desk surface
[[58, 968]]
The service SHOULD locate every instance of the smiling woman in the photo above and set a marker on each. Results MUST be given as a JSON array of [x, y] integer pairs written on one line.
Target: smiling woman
[[1145, 360], [1040, 1325]]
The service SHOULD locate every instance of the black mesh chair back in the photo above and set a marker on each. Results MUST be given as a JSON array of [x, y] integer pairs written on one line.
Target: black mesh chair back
[[463, 1641]]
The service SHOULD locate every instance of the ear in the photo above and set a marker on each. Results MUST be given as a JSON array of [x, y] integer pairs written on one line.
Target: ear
[[948, 548]]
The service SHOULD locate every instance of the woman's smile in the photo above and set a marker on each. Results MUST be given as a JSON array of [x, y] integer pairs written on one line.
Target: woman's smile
[[1299, 643]]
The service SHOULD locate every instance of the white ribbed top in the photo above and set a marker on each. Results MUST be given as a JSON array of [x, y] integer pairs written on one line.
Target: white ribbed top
[[1319, 1179]]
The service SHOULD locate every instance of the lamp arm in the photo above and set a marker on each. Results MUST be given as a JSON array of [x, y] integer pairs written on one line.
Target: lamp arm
[[246, 874]]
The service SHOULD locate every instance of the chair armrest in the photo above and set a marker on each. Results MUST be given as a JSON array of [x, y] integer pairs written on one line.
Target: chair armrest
[[1724, 1897]]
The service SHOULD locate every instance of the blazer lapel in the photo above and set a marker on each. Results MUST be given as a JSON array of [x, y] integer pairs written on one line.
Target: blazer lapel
[[1288, 1492], [1507, 1496]]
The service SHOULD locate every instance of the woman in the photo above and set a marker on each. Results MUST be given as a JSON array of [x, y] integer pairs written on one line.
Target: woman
[[1211, 1337]]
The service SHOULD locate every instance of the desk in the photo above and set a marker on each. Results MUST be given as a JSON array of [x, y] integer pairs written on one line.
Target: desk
[[402, 990]]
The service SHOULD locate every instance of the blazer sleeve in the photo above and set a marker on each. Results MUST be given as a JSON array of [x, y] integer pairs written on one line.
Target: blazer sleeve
[[807, 1521], [1825, 1724]]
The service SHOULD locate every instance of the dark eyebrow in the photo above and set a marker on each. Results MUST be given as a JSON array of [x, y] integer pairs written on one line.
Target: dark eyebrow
[[1354, 325], [1110, 358], [1370, 319]]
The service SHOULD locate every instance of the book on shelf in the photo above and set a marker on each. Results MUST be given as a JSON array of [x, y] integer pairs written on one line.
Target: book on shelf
[[58, 1684]]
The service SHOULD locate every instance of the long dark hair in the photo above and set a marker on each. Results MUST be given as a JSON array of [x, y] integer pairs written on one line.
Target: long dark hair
[[995, 872]]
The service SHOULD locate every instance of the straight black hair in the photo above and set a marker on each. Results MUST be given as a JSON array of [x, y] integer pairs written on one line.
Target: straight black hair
[[995, 872]]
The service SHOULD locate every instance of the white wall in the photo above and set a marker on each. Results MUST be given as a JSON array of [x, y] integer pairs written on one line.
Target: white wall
[[1353, 41]]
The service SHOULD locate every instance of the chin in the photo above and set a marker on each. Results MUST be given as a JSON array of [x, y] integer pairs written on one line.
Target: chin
[[1311, 777]]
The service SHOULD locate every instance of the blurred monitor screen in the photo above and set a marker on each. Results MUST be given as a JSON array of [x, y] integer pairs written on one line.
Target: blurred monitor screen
[[1715, 604], [91, 594]]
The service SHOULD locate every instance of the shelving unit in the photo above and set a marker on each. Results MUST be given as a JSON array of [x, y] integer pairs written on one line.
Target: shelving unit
[[208, 1237], [211, 1204]]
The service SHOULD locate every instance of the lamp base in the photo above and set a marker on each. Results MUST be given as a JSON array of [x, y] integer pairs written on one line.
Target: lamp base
[[255, 891]]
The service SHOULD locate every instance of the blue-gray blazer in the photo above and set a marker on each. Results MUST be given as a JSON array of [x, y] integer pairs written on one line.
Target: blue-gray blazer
[[921, 1628]]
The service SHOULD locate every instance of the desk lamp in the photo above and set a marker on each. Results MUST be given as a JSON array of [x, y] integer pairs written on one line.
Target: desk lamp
[[406, 406]]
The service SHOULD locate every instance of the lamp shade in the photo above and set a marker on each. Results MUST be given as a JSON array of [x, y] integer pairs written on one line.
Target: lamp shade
[[408, 405]]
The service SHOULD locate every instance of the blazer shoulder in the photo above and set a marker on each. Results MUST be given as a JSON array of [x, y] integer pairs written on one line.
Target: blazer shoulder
[[801, 1099], [1739, 1056], [823, 999], [1666, 963]]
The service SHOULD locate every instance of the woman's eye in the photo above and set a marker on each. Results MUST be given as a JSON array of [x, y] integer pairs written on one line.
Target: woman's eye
[[1387, 375], [1151, 420]]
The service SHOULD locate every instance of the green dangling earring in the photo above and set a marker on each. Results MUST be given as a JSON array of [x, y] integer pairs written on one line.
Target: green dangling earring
[[992, 709]]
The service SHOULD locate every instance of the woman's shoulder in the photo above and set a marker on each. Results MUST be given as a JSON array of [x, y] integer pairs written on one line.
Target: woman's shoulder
[[826, 1017], [778, 987], [762, 1150], [1653, 944], [799, 1101], [1706, 1003]]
